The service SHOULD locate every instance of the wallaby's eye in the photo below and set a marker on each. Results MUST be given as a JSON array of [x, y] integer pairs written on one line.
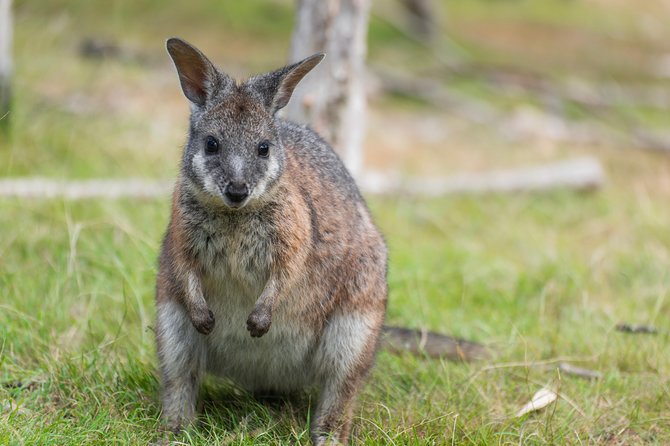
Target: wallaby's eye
[[211, 146], [263, 149]]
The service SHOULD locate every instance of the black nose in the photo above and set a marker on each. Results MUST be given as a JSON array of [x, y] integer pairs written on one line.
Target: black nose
[[237, 192]]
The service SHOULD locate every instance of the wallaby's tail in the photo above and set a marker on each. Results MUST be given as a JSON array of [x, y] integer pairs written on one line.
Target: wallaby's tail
[[435, 345]]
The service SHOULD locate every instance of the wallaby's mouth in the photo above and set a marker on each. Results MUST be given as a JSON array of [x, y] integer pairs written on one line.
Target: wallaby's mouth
[[234, 205]]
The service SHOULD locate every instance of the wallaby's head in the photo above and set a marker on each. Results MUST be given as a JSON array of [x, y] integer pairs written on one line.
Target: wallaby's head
[[234, 154]]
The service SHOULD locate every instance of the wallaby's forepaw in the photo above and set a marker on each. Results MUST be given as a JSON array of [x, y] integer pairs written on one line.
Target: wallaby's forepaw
[[204, 322], [258, 322]]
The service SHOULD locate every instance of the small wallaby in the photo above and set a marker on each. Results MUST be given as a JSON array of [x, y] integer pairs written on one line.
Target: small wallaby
[[271, 272]]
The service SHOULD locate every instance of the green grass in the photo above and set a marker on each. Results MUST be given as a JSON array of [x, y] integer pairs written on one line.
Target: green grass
[[539, 278], [77, 281]]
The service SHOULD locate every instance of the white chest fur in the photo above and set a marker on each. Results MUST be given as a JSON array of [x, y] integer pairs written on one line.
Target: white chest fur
[[235, 249], [236, 264]]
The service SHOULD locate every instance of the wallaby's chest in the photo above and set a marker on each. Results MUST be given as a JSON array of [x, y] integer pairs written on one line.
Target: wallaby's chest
[[236, 257], [235, 250]]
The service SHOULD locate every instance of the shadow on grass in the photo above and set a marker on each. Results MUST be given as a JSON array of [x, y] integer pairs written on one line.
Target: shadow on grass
[[226, 406], [225, 412]]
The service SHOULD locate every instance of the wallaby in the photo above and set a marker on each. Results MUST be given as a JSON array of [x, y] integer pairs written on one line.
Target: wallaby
[[271, 272]]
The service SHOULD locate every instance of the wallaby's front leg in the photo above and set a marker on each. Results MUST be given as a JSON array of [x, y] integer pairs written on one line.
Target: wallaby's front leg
[[198, 310], [260, 319]]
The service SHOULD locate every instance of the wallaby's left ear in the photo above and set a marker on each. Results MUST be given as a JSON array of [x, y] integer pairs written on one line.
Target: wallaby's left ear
[[277, 87]]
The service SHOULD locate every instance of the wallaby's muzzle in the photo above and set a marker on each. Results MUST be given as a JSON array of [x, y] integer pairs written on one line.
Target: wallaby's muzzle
[[236, 192]]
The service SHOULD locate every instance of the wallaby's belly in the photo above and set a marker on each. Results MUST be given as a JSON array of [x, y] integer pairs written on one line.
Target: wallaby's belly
[[281, 360]]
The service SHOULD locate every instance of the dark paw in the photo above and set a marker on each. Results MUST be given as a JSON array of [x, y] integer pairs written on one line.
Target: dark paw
[[258, 323], [205, 324]]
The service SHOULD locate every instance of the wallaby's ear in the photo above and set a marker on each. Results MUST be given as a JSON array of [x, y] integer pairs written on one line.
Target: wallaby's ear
[[277, 87], [197, 74]]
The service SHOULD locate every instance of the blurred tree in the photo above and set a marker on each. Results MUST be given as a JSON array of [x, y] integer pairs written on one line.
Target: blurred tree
[[5, 61], [332, 99]]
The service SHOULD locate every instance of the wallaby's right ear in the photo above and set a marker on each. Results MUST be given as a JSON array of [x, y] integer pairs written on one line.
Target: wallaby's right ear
[[197, 74], [277, 87]]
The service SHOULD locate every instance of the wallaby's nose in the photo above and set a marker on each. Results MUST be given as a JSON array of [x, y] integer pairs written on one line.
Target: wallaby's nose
[[237, 192]]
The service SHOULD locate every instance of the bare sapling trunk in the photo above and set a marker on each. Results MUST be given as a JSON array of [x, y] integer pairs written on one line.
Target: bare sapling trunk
[[5, 60], [332, 99]]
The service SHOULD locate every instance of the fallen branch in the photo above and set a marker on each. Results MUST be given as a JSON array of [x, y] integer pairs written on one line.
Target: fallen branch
[[81, 189], [636, 329], [591, 95], [645, 139], [434, 345], [570, 369], [601, 102], [433, 92], [579, 174]]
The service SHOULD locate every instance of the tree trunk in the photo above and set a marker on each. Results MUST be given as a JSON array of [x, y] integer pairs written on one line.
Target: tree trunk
[[5, 60], [332, 99]]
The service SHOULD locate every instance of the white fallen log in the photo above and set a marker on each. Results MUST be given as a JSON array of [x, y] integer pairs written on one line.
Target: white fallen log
[[579, 174], [82, 189]]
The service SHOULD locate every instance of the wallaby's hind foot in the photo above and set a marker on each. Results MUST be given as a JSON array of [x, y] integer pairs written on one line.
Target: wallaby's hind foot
[[180, 354], [345, 355]]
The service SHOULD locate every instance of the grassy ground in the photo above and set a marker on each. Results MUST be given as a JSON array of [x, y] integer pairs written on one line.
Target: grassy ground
[[541, 278]]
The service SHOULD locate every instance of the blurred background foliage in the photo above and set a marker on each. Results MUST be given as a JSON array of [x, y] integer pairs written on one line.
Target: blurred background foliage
[[500, 83]]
